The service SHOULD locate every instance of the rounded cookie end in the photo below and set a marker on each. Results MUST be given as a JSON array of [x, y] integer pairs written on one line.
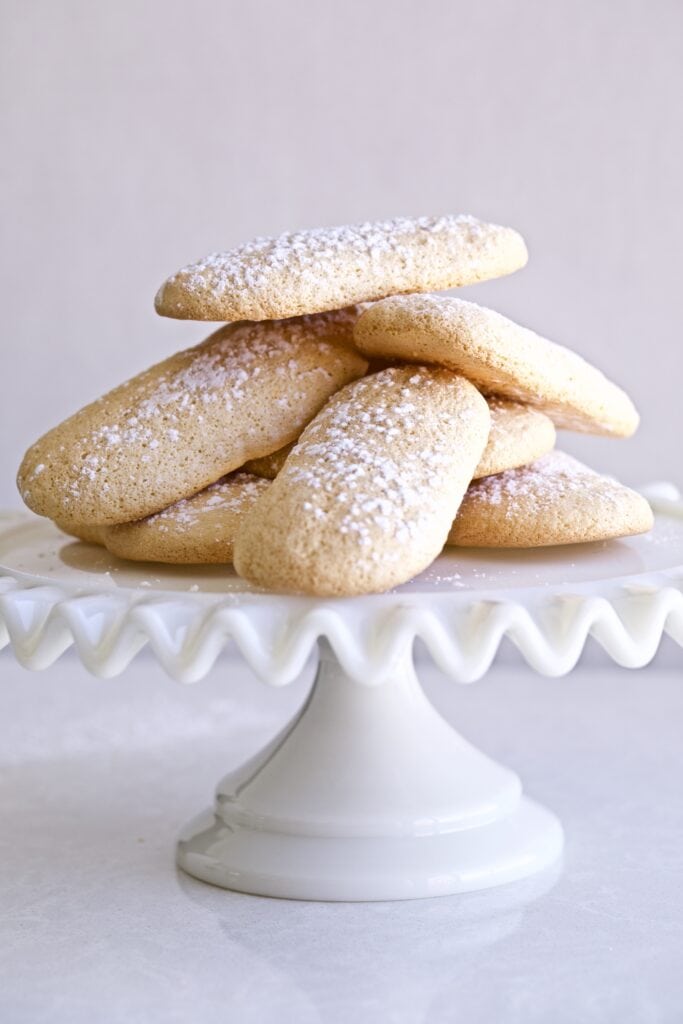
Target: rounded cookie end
[[171, 301]]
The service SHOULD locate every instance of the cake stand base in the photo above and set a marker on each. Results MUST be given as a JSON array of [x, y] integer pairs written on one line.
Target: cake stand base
[[369, 795]]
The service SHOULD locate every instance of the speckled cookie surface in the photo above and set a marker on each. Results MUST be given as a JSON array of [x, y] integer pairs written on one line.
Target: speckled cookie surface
[[556, 500], [519, 434], [81, 531], [166, 434], [366, 498], [327, 268], [195, 530], [498, 356]]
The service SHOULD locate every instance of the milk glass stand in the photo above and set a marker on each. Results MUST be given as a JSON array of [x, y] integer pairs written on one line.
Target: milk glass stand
[[369, 794]]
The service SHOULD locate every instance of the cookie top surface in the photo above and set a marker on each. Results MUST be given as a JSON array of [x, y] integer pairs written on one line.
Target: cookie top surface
[[246, 391], [200, 529], [327, 268], [498, 356], [556, 500], [519, 434], [367, 495]]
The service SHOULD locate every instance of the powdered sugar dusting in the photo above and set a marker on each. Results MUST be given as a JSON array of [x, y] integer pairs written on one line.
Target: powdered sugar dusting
[[503, 411], [541, 485], [234, 494], [164, 409], [359, 469], [224, 365], [317, 255], [500, 357]]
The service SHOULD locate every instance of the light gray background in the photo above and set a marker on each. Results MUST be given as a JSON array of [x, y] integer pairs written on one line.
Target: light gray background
[[137, 136]]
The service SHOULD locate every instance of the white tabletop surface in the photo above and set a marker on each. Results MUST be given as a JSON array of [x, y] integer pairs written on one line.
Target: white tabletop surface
[[96, 924]]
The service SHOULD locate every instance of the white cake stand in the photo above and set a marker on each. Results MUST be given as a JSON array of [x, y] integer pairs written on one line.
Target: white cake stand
[[368, 794]]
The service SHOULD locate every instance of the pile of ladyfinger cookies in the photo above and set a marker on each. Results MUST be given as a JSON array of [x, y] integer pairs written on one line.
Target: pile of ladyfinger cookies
[[345, 423]]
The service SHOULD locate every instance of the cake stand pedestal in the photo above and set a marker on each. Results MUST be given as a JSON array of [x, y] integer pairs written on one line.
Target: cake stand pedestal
[[369, 794]]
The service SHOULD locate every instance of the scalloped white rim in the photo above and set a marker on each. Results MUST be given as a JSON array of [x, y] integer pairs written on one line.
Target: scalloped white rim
[[276, 634]]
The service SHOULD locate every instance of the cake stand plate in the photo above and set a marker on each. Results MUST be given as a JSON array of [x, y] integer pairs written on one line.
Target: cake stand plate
[[368, 794]]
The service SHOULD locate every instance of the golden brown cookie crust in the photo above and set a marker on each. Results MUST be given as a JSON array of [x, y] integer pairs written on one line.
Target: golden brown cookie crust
[[82, 531], [498, 356], [556, 500], [166, 434], [519, 434], [366, 498], [194, 531], [327, 268]]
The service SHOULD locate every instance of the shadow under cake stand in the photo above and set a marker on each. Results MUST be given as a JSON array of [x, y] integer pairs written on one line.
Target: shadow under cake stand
[[368, 794]]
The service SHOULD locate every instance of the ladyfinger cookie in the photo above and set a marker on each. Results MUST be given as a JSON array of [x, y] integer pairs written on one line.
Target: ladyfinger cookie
[[325, 268], [555, 500], [166, 434], [498, 356], [367, 496], [195, 530]]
